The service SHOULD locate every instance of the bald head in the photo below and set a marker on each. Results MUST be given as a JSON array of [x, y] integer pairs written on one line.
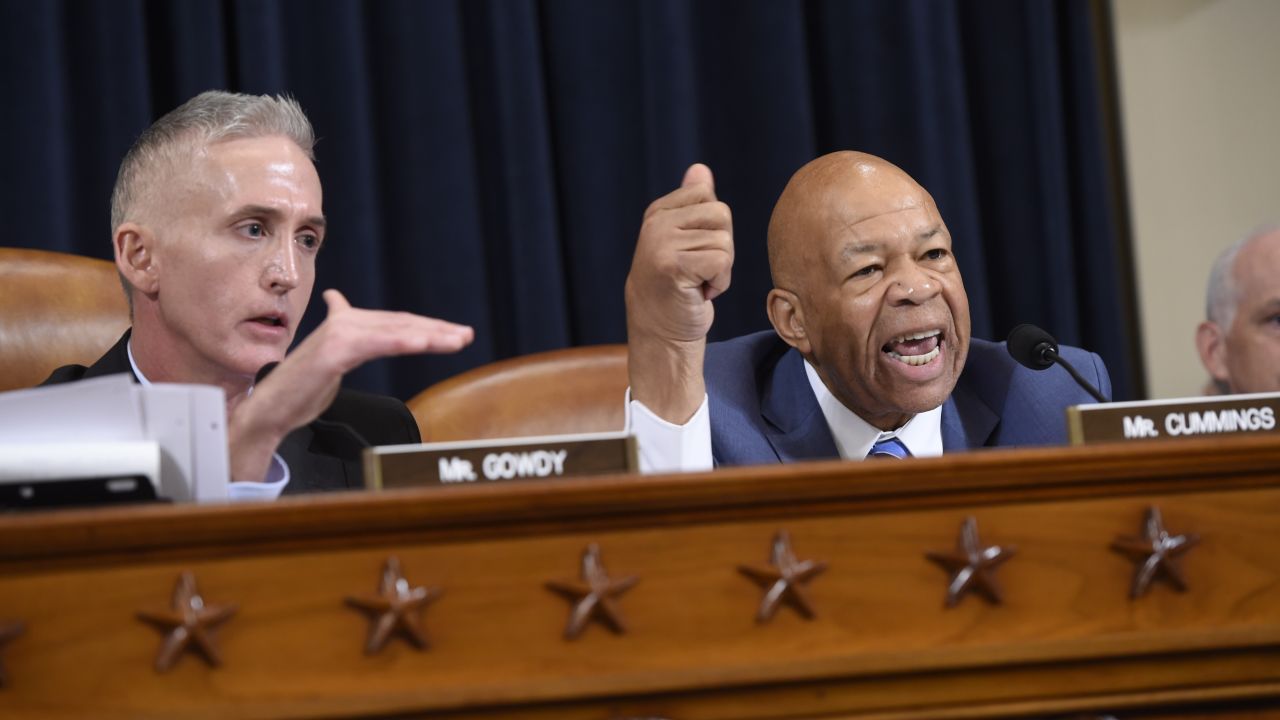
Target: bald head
[[836, 190], [866, 288]]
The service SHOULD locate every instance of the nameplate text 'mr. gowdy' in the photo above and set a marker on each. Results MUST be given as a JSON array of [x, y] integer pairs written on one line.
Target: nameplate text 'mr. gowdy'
[[488, 461]]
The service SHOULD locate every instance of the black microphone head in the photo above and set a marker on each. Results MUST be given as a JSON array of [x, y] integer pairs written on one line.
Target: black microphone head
[[1032, 347]]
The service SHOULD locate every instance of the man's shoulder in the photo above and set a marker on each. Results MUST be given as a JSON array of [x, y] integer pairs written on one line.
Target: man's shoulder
[[990, 362], [1029, 404], [745, 351], [66, 374], [114, 360], [757, 394], [987, 357], [739, 369], [379, 419], [350, 403]]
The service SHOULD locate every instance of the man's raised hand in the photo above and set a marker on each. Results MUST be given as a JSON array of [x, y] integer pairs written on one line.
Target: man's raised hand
[[304, 384], [683, 261]]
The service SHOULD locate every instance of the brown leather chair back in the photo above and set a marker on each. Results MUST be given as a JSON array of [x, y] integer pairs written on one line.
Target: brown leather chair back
[[575, 390], [55, 309]]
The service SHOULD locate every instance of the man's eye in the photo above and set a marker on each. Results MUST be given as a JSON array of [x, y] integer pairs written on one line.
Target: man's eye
[[935, 254], [866, 271], [254, 230], [310, 242]]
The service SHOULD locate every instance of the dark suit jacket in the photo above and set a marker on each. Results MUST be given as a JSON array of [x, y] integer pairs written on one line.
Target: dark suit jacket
[[323, 455], [764, 411]]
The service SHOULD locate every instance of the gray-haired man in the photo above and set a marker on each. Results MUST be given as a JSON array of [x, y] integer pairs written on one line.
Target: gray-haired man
[[216, 224], [1239, 342]]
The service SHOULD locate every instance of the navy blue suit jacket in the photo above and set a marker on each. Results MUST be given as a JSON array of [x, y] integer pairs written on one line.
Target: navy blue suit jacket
[[764, 411]]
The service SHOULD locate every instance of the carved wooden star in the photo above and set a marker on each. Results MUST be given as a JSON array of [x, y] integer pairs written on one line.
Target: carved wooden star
[[190, 624], [785, 581], [594, 596], [972, 566], [8, 631], [396, 609], [1155, 553]]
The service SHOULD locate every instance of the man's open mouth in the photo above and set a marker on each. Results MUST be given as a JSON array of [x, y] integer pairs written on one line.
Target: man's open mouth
[[915, 349], [272, 320]]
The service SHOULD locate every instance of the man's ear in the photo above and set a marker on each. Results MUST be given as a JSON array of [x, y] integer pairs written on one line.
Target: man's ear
[[788, 319], [1212, 344], [135, 256]]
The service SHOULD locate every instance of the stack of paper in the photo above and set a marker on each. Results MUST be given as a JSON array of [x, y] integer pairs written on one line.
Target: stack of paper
[[174, 436]]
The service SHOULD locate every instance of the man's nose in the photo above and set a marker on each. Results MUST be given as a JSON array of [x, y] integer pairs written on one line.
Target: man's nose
[[910, 284], [281, 272]]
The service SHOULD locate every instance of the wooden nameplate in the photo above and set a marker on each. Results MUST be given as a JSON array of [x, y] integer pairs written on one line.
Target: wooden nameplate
[[510, 459], [1183, 417]]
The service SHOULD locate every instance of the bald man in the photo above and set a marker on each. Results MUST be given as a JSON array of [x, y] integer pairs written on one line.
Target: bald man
[[1239, 342], [870, 351]]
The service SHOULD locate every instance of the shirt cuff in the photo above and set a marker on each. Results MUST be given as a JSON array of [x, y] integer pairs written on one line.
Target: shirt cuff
[[269, 489], [666, 447]]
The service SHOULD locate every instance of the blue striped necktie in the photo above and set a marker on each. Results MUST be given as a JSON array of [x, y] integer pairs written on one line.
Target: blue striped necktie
[[889, 448]]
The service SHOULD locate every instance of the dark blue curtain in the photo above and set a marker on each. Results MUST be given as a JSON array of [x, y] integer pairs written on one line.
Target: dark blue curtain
[[489, 161]]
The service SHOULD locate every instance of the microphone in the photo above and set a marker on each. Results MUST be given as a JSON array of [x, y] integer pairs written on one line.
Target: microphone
[[1036, 349]]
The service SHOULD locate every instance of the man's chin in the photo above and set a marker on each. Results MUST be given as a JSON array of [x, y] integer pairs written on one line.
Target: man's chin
[[899, 405], [250, 366], [925, 397]]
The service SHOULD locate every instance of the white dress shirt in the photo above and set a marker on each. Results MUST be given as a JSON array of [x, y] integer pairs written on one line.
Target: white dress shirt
[[922, 434], [667, 447], [243, 490]]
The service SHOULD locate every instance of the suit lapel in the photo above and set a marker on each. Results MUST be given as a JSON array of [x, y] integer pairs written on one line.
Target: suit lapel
[[797, 429], [967, 422]]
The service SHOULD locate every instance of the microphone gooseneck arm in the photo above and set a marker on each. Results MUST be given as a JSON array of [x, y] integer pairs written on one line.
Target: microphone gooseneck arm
[[1051, 353]]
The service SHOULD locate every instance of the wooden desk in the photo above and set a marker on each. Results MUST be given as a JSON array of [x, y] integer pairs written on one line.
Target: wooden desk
[[1067, 639]]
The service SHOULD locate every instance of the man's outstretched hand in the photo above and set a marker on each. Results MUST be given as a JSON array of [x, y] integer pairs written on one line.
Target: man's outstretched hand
[[305, 383], [683, 261]]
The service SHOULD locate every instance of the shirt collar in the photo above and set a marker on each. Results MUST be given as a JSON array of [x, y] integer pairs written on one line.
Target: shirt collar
[[922, 434], [133, 364]]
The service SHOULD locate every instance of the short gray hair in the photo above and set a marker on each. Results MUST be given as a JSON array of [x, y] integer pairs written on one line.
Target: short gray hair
[[1223, 296], [204, 120]]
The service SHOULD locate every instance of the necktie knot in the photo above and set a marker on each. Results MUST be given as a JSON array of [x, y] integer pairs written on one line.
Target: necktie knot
[[889, 448]]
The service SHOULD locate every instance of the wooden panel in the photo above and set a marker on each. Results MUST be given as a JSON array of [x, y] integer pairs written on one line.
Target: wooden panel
[[1067, 639], [339, 520]]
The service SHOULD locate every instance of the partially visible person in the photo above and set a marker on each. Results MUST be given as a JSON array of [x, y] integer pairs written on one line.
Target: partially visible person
[[870, 353], [217, 225], [1239, 341]]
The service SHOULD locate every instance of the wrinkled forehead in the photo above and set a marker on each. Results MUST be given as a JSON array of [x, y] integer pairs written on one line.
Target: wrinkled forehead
[[835, 197], [876, 206], [866, 203]]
